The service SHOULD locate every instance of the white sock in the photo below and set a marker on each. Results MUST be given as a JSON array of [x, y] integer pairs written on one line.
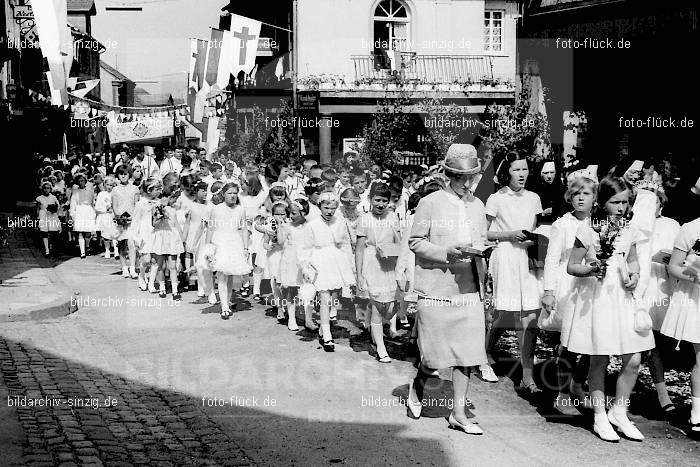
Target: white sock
[[377, 331], [81, 244], [326, 332], [257, 279], [695, 410], [115, 247], [46, 244], [620, 410]]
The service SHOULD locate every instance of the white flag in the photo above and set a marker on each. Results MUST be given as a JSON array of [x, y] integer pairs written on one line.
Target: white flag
[[246, 33], [55, 40]]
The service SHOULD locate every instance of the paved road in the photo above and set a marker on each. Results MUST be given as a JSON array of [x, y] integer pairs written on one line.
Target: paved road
[[138, 381]]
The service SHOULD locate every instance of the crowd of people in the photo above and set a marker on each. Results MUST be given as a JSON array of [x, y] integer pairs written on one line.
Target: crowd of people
[[590, 254]]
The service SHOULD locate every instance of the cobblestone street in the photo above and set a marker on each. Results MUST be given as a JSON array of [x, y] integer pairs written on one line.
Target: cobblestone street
[[169, 384]]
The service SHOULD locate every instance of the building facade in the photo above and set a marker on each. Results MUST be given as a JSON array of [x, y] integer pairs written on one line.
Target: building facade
[[350, 55]]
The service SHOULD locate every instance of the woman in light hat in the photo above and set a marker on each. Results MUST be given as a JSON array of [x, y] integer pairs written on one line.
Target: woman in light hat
[[450, 318]]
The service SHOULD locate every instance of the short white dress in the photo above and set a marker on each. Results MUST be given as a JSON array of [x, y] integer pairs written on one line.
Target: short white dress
[[197, 214], [379, 273], [105, 217], [124, 199], [655, 285], [323, 250], [141, 228], [273, 251], [48, 221], [682, 321], [291, 237], [227, 224], [602, 321], [166, 239], [81, 210], [561, 241], [515, 286]]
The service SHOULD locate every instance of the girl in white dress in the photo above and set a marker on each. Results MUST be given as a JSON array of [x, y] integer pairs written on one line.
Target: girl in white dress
[[558, 299], [81, 211], [253, 197], [263, 226], [654, 292], [166, 244], [105, 217], [124, 198], [141, 230], [195, 224], [291, 236], [349, 200], [323, 253], [604, 260], [510, 212], [376, 273], [682, 321], [47, 206], [273, 249], [182, 207], [228, 233]]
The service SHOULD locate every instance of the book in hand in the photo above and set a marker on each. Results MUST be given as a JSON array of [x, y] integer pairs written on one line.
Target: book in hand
[[477, 250], [388, 250], [662, 256]]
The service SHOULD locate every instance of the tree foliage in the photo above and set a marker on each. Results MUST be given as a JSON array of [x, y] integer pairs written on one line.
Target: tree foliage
[[519, 127], [257, 141]]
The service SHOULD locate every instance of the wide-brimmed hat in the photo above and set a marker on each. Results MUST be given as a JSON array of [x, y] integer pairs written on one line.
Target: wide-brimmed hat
[[462, 159]]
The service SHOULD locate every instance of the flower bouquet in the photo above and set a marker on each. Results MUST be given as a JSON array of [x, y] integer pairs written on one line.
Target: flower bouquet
[[607, 233], [52, 208], [159, 215], [123, 220]]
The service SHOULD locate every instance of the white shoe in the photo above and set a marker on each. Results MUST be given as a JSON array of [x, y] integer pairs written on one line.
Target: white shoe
[[414, 405], [603, 428], [468, 428], [125, 272], [292, 324], [133, 273], [212, 298], [142, 284], [625, 426], [487, 374], [108, 255]]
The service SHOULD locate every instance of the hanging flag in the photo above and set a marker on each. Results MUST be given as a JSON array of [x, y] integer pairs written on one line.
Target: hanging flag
[[212, 134], [217, 39], [279, 69], [245, 32], [56, 95], [198, 61], [199, 89], [82, 88], [56, 43]]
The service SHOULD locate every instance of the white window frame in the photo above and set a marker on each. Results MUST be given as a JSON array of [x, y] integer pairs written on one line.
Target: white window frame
[[488, 15], [408, 20]]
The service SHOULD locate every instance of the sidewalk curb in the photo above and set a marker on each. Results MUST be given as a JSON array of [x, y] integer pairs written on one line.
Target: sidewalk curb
[[56, 309]]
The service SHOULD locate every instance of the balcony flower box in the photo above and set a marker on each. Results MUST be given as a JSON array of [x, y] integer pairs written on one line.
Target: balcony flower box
[[424, 87], [325, 86], [391, 87], [375, 87]]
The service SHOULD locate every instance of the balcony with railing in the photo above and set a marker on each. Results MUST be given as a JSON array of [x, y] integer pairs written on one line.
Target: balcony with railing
[[433, 69]]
